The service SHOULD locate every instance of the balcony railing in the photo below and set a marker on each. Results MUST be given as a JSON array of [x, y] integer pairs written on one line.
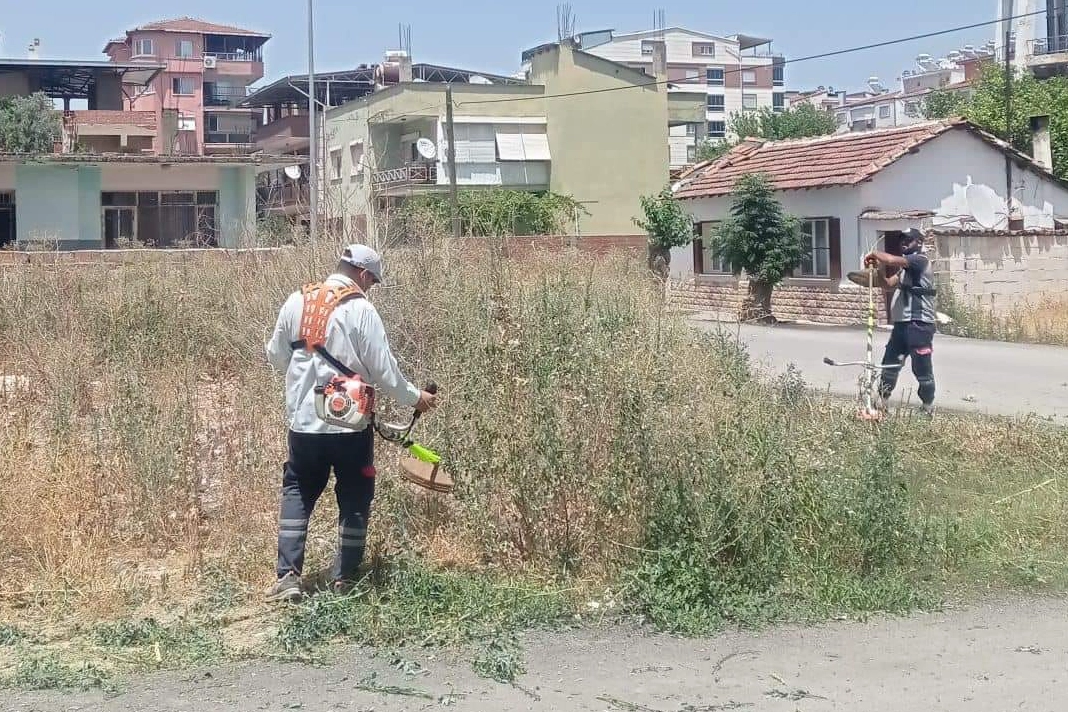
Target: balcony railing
[[215, 137], [410, 174], [251, 56], [1049, 45], [223, 97]]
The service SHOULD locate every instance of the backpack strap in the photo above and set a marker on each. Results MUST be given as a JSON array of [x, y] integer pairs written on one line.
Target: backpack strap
[[320, 301]]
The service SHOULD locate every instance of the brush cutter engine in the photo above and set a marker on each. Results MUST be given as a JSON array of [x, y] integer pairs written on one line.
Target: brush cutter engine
[[347, 402]]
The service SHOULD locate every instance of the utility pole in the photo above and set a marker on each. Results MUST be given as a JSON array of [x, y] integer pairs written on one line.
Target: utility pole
[[450, 133], [1009, 13], [313, 136]]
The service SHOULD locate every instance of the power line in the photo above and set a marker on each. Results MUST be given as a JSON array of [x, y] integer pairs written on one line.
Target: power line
[[822, 55]]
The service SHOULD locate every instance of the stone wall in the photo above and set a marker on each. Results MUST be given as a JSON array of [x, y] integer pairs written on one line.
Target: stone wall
[[824, 304], [999, 270]]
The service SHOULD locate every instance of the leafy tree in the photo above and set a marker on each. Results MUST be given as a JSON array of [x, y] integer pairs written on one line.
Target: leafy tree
[[943, 103], [801, 121], [760, 239], [29, 124], [668, 226], [1030, 97]]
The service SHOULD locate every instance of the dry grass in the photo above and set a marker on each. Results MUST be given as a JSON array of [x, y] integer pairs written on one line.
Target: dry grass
[[1043, 320], [599, 444]]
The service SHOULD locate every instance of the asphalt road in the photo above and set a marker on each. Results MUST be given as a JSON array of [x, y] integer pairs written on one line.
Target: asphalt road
[[990, 377], [991, 658]]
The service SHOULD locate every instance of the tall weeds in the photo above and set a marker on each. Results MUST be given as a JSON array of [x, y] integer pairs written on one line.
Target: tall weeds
[[598, 442]]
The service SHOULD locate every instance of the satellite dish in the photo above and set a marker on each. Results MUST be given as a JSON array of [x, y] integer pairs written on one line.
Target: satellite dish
[[984, 204], [293, 172], [426, 148]]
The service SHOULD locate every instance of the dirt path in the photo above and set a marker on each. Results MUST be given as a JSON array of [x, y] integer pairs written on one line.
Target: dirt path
[[982, 376], [994, 657]]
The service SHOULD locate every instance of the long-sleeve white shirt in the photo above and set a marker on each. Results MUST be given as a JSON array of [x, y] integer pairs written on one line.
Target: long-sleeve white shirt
[[356, 337]]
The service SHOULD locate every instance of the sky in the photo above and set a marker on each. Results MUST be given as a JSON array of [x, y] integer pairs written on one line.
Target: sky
[[489, 35]]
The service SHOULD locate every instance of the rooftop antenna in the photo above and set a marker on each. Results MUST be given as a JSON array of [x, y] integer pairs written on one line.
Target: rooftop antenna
[[659, 22], [404, 38], [565, 22]]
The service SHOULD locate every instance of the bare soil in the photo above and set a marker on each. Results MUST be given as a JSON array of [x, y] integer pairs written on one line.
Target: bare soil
[[997, 656]]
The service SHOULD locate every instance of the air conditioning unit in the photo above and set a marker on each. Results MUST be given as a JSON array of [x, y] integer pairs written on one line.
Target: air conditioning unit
[[210, 61]]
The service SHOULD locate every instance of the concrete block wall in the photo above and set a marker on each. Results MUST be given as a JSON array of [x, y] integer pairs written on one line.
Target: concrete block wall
[[830, 304], [1002, 270]]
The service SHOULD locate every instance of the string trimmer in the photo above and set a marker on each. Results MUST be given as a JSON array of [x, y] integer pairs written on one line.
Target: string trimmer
[[869, 376], [348, 402]]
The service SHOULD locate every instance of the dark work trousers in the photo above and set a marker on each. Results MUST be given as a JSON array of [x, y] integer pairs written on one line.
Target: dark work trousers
[[914, 340], [306, 472]]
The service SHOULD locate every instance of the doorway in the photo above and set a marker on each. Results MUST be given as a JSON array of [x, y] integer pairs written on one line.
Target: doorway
[[120, 226], [7, 219]]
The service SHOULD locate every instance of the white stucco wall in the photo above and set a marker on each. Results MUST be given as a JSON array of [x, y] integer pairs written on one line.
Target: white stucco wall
[[933, 179]]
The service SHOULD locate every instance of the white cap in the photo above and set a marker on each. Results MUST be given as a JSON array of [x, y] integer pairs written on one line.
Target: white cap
[[363, 257]]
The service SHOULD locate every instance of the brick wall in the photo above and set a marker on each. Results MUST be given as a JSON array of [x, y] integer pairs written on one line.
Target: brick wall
[[999, 270], [828, 304]]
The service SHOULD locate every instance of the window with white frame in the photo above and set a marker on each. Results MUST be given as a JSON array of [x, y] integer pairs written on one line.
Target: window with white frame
[[335, 164], [704, 49], [912, 109], [693, 75], [778, 101], [749, 77], [717, 129], [816, 240], [356, 159], [710, 263], [183, 86], [647, 48], [749, 101], [884, 111], [144, 48], [691, 130], [691, 154], [716, 102], [184, 49], [714, 76], [778, 75]]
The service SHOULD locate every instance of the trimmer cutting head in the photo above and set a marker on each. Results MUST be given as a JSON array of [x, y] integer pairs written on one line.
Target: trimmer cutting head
[[427, 475], [861, 277]]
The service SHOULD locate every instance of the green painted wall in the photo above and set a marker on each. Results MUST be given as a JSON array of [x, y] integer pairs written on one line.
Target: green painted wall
[[58, 204], [237, 206]]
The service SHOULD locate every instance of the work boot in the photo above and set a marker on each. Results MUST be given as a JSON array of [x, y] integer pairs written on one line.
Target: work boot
[[287, 589], [927, 410]]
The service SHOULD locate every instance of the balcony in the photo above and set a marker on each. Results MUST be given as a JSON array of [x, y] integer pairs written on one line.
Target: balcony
[[286, 135], [225, 97], [1048, 56], [101, 132], [409, 175], [216, 143], [283, 197]]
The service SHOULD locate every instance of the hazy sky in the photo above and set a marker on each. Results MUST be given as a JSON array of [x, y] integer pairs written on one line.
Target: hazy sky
[[489, 35]]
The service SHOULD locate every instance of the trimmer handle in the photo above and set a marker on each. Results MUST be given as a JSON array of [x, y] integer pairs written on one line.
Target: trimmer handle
[[432, 388]]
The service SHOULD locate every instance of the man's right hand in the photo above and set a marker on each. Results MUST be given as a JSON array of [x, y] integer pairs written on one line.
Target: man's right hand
[[426, 402]]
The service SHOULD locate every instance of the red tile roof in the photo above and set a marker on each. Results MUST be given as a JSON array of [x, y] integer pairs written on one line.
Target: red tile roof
[[837, 160], [196, 26]]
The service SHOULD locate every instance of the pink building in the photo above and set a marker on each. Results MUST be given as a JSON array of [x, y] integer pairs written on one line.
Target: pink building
[[208, 69]]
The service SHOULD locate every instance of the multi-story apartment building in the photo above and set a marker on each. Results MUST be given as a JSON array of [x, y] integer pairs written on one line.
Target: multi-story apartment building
[[1039, 42], [207, 69], [737, 73]]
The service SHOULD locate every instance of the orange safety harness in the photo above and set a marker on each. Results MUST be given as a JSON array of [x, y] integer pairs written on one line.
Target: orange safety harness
[[320, 301]]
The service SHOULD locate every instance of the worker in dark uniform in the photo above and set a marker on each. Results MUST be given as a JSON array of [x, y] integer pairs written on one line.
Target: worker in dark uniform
[[913, 314]]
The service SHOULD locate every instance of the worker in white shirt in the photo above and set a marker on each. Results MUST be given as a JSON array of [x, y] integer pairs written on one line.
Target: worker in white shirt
[[349, 338]]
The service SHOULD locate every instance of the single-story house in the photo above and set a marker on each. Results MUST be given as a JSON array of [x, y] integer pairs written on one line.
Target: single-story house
[[81, 201], [850, 190]]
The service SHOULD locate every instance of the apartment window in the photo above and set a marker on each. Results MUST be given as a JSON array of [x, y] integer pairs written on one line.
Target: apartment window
[[704, 49], [356, 158], [691, 154], [693, 75], [691, 130], [183, 86], [749, 101], [778, 101], [184, 49], [912, 108], [159, 219], [716, 102], [884, 111], [187, 123], [717, 129], [144, 48], [714, 76], [778, 75], [749, 77], [841, 117], [647, 48], [335, 164], [705, 260], [816, 238]]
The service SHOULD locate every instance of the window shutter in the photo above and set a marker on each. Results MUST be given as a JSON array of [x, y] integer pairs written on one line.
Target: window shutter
[[834, 239]]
